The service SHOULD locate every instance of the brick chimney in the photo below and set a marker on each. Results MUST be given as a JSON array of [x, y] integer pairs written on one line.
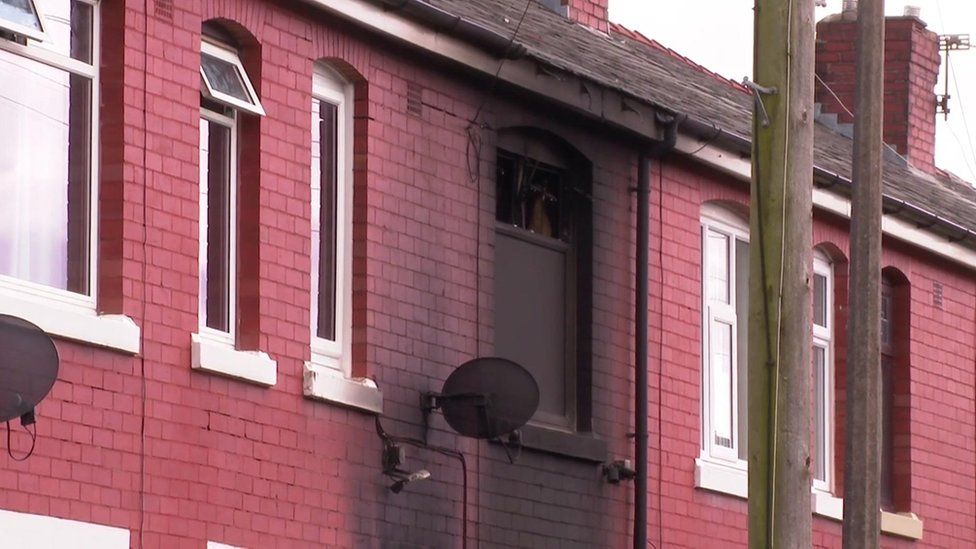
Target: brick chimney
[[911, 72], [592, 13]]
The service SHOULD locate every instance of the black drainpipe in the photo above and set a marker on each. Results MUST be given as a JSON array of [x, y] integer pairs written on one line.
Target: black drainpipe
[[655, 152]]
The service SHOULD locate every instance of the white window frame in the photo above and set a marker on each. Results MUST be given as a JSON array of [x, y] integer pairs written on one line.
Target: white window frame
[[329, 87], [228, 337], [823, 339], [59, 312], [34, 34], [224, 53], [328, 375], [718, 220]]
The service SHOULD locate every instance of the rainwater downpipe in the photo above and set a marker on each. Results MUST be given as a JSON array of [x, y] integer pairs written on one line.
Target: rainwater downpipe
[[656, 151]]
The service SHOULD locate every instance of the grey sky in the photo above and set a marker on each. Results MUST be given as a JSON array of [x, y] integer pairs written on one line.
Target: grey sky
[[718, 35]]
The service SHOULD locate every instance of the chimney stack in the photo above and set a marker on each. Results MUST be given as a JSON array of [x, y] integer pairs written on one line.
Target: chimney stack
[[911, 73], [592, 13]]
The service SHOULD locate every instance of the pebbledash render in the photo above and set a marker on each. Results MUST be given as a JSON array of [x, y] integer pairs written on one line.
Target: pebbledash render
[[254, 228]]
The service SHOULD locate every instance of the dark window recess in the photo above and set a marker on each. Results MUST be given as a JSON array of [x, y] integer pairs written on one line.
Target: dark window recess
[[328, 132], [218, 228], [542, 281], [530, 195]]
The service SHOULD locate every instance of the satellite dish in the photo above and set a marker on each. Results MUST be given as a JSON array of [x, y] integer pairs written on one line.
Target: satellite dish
[[487, 398], [28, 366]]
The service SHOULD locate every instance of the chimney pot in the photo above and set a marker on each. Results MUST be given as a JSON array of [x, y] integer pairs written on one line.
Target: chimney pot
[[850, 6], [913, 11]]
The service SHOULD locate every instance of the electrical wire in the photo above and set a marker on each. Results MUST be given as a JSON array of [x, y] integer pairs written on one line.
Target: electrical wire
[[474, 139], [30, 452], [962, 110], [851, 114], [449, 452]]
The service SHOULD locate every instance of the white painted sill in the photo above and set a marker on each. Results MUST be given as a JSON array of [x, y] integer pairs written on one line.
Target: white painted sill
[[223, 359], [70, 321], [27, 530], [330, 385], [734, 481]]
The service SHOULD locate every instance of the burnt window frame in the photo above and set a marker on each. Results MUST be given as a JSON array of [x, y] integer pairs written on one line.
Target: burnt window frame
[[552, 154]]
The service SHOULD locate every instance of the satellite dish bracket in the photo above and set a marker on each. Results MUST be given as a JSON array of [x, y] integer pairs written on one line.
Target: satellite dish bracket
[[433, 401]]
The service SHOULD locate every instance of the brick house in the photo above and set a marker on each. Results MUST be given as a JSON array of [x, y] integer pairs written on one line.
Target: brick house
[[272, 223]]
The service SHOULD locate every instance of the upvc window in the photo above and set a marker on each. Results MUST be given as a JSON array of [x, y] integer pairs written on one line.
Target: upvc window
[[331, 257], [218, 223], [725, 291], [48, 105], [224, 79], [823, 372], [214, 347]]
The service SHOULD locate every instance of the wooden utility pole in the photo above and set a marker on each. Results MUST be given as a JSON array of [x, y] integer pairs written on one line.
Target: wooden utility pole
[[862, 455], [780, 264]]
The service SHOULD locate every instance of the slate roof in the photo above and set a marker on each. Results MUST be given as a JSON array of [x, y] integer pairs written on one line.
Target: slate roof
[[644, 69]]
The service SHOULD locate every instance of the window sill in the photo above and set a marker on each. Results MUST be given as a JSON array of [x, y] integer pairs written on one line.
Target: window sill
[[584, 446], [62, 320], [223, 359], [722, 478], [28, 530], [734, 481], [328, 385]]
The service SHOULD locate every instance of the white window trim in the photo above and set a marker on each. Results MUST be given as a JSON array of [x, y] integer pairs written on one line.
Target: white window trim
[[29, 530], [718, 219], [224, 53], [328, 375], [219, 358], [228, 337], [34, 34], [59, 312], [733, 481], [823, 338], [329, 87]]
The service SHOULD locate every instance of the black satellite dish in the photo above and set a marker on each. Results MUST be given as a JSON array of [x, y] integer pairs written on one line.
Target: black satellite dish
[[28, 367], [486, 398]]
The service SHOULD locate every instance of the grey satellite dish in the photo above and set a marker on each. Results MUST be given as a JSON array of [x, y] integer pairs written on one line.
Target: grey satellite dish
[[486, 398], [28, 367]]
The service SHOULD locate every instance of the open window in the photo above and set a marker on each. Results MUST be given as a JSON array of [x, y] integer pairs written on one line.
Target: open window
[[22, 18], [218, 346], [224, 79]]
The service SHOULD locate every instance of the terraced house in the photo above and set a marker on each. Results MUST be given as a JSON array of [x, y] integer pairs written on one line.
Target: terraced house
[[258, 230]]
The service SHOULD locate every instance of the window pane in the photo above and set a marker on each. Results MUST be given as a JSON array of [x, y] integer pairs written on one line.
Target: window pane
[[887, 442], [820, 413], [820, 300], [530, 315], [718, 266], [742, 341], [44, 174], [218, 235], [326, 245], [224, 77], [20, 12], [722, 380], [886, 317]]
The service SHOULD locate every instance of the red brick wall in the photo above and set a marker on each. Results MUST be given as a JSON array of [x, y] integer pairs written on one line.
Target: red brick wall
[[942, 428], [911, 72], [180, 457]]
